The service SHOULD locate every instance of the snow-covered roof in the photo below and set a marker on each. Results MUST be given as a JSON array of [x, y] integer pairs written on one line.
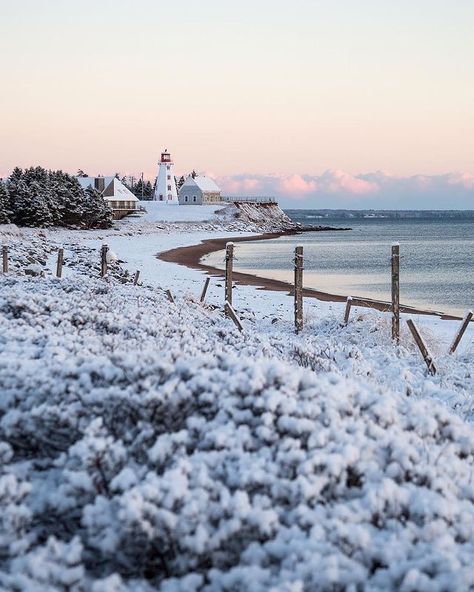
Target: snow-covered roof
[[113, 188], [204, 183]]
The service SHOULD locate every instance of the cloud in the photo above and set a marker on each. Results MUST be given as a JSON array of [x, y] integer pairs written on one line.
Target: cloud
[[339, 189]]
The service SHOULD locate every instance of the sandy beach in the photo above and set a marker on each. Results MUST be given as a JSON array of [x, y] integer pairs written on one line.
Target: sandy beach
[[191, 257]]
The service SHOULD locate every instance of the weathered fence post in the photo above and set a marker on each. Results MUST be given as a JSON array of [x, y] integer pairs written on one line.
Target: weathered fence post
[[462, 329], [59, 265], [230, 312], [347, 312], [422, 347], [5, 258], [204, 290], [103, 260], [170, 296], [298, 289], [136, 277], [396, 292], [229, 261]]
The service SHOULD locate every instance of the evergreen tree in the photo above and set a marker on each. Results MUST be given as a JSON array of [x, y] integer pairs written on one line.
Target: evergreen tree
[[68, 197], [148, 190], [30, 204], [37, 197], [179, 182], [4, 204], [97, 213]]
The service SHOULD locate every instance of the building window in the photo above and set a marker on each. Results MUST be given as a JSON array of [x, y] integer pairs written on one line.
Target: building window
[[168, 167], [185, 198], [169, 177], [161, 197], [169, 187], [169, 196], [194, 198]]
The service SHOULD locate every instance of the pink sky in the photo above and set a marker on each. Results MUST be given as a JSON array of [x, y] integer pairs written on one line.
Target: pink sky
[[264, 88]]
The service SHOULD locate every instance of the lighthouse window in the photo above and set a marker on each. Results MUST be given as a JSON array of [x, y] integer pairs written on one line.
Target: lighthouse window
[[168, 166], [169, 187], [169, 177]]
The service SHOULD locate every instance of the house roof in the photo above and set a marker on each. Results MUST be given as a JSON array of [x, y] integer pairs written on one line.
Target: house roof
[[205, 184], [114, 188]]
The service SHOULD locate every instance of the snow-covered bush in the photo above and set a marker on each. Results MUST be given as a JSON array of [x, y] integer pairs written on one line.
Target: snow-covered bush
[[147, 446]]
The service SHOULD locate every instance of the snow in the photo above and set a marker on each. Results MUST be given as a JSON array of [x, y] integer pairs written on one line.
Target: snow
[[205, 184], [147, 446], [159, 212]]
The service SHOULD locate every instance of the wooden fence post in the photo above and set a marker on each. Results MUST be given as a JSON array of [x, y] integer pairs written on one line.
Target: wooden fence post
[[59, 265], [135, 279], [230, 312], [298, 289], [347, 312], [103, 260], [204, 290], [422, 347], [229, 261], [396, 292], [462, 329], [170, 296], [5, 258]]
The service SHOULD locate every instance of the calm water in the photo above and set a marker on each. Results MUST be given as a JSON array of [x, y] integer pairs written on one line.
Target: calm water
[[437, 269]]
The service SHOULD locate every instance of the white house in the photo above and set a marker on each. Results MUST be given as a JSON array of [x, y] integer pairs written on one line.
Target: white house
[[120, 199], [199, 190]]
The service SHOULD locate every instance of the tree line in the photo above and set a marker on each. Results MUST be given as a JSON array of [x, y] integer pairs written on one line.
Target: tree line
[[39, 197]]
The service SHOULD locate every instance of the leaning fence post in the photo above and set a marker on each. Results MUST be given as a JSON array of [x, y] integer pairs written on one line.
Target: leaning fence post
[[396, 292], [5, 258], [170, 296], [230, 312], [103, 260], [422, 347], [204, 290], [298, 288], [347, 312], [135, 279], [229, 260], [59, 265], [462, 329]]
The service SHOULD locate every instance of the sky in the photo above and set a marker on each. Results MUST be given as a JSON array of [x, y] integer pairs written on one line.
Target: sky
[[324, 103]]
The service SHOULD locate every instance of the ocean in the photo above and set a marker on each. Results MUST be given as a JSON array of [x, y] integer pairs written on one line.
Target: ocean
[[436, 264]]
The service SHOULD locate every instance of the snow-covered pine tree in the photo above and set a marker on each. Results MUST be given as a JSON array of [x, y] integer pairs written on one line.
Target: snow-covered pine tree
[[180, 182], [148, 190], [29, 204], [70, 198], [97, 213], [137, 190], [4, 204], [38, 200]]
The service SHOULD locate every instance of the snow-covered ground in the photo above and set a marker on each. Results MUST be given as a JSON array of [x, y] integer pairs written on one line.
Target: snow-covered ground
[[158, 212], [146, 445]]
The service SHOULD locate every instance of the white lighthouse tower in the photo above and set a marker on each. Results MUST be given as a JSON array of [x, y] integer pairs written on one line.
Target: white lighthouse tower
[[165, 189]]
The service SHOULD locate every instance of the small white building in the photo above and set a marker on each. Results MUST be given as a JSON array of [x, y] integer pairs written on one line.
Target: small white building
[[165, 188], [199, 190], [120, 199]]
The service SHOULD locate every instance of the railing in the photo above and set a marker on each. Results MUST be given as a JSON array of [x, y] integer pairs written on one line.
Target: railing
[[249, 198]]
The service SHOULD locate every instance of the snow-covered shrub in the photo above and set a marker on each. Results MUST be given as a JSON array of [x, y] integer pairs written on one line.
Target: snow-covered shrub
[[146, 446]]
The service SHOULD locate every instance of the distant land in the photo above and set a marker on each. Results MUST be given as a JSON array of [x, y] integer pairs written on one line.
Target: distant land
[[386, 214]]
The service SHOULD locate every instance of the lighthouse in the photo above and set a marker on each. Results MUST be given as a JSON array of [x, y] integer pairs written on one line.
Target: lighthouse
[[165, 189]]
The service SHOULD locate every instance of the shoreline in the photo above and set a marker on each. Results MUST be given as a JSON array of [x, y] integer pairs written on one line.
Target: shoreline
[[191, 257]]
